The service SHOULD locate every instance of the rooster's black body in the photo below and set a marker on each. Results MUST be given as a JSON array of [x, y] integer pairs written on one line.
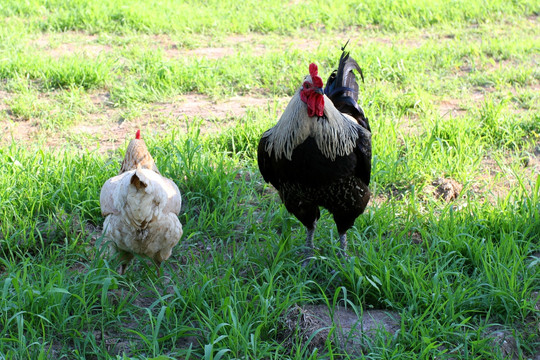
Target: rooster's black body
[[317, 157]]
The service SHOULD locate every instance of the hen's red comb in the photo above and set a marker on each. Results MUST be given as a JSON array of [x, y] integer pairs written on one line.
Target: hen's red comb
[[138, 134]]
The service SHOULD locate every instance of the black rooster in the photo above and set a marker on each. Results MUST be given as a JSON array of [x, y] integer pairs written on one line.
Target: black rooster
[[319, 152]]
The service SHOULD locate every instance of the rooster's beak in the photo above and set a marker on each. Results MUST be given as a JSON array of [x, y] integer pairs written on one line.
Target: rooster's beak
[[319, 90]]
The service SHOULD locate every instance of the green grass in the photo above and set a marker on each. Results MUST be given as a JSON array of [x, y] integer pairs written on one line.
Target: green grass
[[267, 16], [451, 270]]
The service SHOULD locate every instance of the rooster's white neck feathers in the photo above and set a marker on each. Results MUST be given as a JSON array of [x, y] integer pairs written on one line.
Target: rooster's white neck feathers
[[335, 136]]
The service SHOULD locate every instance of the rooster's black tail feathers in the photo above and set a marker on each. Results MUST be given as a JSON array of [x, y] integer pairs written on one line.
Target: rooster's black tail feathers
[[342, 88]]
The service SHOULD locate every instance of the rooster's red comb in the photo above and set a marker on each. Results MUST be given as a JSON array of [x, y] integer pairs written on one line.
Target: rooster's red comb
[[138, 134], [313, 70], [315, 78]]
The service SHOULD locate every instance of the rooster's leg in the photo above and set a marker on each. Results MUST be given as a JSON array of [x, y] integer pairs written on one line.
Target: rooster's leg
[[308, 214], [343, 245], [309, 243]]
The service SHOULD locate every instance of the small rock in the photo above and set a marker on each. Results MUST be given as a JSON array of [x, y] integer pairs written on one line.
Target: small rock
[[447, 189]]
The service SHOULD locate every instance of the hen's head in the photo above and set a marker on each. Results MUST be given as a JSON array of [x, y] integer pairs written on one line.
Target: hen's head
[[137, 156], [312, 92]]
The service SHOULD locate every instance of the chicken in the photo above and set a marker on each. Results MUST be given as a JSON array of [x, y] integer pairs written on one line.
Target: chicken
[[319, 152], [141, 208]]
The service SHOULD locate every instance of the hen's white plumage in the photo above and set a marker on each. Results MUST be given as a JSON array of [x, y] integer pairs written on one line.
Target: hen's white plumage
[[140, 208]]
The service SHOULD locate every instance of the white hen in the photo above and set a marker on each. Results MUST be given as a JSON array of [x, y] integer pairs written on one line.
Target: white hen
[[141, 208]]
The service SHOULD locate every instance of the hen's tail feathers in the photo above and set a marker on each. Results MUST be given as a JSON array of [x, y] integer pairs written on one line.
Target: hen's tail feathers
[[342, 88], [136, 181]]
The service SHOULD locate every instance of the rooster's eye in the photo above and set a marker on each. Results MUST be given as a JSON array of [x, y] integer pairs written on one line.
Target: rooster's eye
[[306, 85]]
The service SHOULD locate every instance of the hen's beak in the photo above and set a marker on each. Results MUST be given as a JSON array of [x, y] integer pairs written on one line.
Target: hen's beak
[[319, 90]]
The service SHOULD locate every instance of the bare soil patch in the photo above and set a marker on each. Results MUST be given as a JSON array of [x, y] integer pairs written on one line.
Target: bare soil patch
[[451, 107], [19, 132], [497, 178], [313, 324], [70, 43], [195, 105], [410, 125], [205, 52], [456, 107], [106, 128]]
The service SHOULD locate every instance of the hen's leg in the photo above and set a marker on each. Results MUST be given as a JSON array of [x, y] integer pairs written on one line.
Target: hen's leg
[[124, 257], [158, 266], [159, 258]]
